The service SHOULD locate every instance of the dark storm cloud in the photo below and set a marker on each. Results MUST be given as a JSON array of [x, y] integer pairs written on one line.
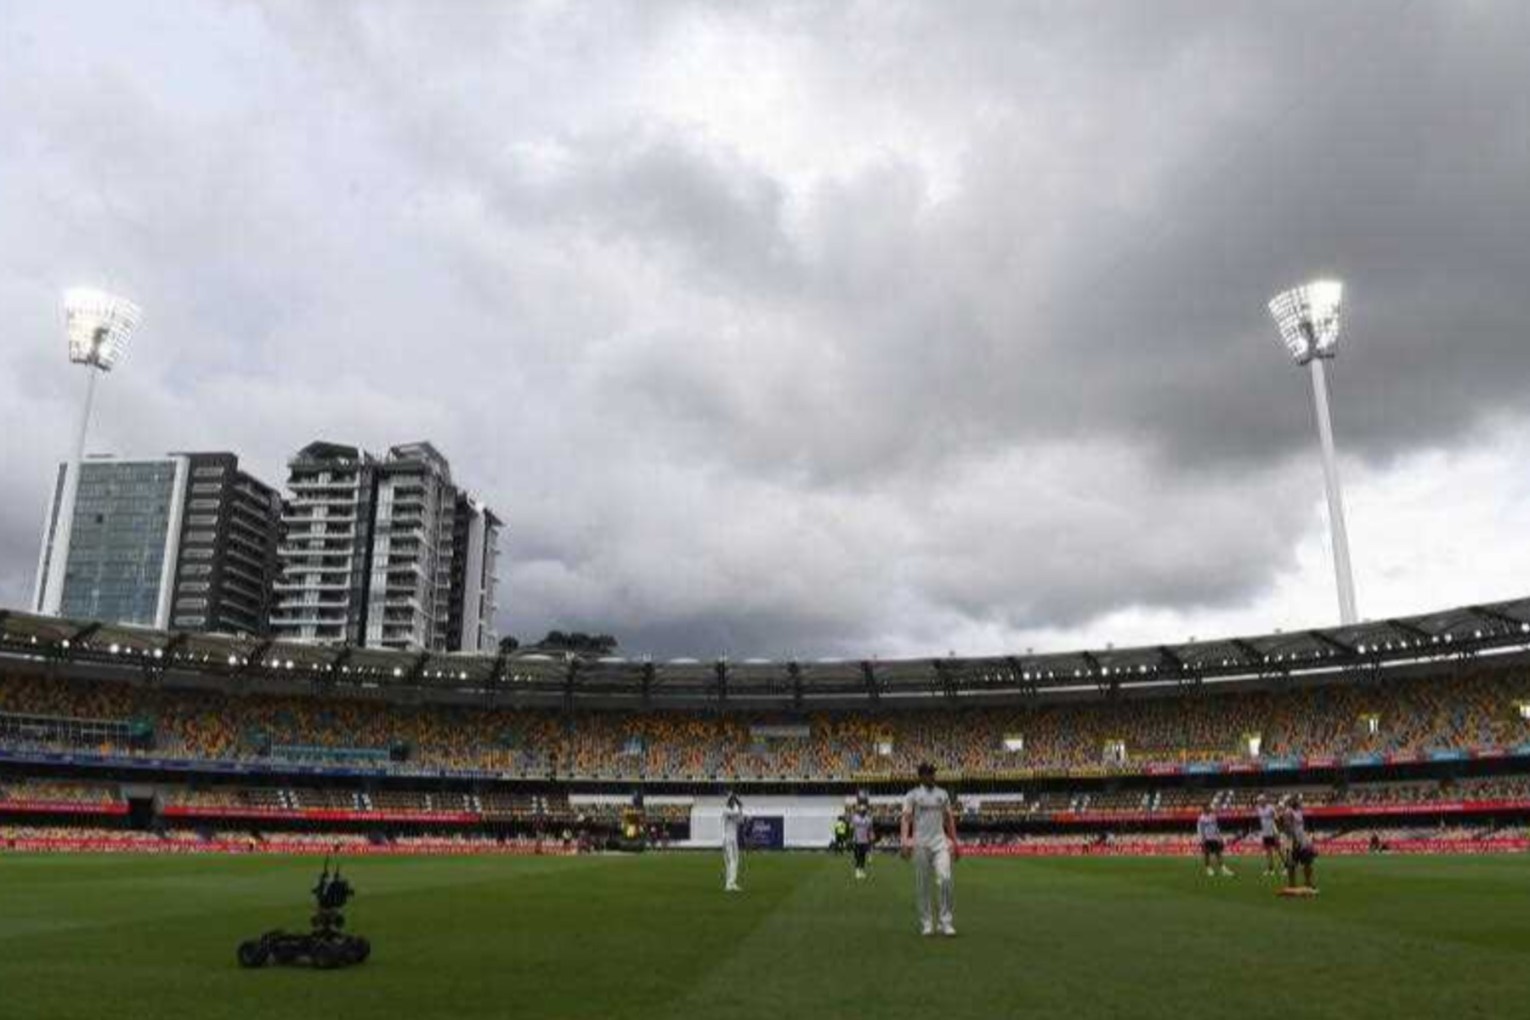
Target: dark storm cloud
[[787, 328]]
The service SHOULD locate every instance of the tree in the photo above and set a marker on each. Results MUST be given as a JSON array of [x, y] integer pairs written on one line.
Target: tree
[[578, 642]]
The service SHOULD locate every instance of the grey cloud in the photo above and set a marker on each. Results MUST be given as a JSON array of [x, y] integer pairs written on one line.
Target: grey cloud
[[968, 328]]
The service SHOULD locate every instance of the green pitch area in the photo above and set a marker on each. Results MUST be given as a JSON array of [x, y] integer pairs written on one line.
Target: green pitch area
[[124, 937]]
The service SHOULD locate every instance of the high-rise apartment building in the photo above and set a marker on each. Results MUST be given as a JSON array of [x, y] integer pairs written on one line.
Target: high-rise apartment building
[[326, 552], [385, 552], [472, 578]]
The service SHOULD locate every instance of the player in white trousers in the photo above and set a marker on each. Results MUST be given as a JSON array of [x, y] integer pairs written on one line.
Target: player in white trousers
[[733, 820], [929, 837]]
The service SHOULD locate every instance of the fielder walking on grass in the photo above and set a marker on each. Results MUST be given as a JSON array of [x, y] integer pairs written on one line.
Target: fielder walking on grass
[[862, 832], [929, 837]]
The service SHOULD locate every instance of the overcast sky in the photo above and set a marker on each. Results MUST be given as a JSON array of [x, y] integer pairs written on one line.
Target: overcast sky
[[808, 329]]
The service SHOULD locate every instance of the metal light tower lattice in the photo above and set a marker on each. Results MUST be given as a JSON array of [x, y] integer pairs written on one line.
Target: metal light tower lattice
[[1308, 317], [98, 326]]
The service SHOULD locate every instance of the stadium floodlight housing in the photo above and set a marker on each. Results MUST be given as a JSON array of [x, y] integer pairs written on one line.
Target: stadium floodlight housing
[[98, 325], [1308, 318]]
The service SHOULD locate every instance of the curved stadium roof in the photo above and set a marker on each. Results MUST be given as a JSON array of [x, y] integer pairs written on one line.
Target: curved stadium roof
[[534, 677]]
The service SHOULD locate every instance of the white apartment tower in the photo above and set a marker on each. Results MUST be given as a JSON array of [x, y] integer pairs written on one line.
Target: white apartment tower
[[325, 556], [385, 553]]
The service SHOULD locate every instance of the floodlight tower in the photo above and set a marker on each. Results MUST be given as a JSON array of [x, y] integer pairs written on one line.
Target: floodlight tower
[[97, 325], [1308, 317]]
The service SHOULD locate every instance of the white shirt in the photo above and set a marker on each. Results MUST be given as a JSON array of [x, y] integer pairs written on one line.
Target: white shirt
[[1207, 826], [863, 828], [928, 806], [1266, 813], [733, 818], [1296, 826]]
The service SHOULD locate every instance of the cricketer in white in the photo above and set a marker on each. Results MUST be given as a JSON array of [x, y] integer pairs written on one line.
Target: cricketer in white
[[929, 837], [733, 820]]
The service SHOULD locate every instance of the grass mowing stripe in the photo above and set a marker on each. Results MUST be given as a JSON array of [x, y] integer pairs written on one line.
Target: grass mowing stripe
[[623, 938]]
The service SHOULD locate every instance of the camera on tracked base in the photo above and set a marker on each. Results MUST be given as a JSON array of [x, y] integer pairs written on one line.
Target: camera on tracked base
[[326, 945]]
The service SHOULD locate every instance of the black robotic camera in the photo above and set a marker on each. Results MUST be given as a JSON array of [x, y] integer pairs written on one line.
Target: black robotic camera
[[325, 946]]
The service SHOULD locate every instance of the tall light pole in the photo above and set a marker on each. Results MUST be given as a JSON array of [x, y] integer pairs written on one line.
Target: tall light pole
[[1308, 317], [97, 325]]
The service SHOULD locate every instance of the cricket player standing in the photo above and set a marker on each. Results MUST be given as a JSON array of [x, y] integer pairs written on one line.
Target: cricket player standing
[[929, 837], [1269, 835], [733, 820], [1302, 850], [1210, 832]]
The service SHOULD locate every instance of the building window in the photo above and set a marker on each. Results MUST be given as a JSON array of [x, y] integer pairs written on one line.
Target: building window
[[209, 471]]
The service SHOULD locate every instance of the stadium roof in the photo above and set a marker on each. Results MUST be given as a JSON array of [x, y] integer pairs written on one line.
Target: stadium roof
[[534, 676]]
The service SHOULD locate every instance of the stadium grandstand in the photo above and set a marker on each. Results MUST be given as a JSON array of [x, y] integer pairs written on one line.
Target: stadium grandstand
[[1406, 733]]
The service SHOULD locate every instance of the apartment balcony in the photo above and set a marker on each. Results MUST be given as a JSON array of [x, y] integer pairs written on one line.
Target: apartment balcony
[[287, 582], [323, 633], [237, 574], [299, 570], [319, 625], [256, 542], [320, 509], [349, 483], [290, 549], [240, 554], [323, 528], [401, 603], [330, 599], [247, 521], [325, 607], [302, 513], [298, 523], [237, 588], [326, 614]]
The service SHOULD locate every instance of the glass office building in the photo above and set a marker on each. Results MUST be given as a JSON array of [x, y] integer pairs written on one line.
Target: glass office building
[[123, 543], [184, 542]]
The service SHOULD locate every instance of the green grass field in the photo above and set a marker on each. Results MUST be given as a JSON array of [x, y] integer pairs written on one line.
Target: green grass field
[[121, 937]]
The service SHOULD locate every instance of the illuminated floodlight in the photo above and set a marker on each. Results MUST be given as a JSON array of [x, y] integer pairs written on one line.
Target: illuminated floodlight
[[98, 326], [1308, 318]]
